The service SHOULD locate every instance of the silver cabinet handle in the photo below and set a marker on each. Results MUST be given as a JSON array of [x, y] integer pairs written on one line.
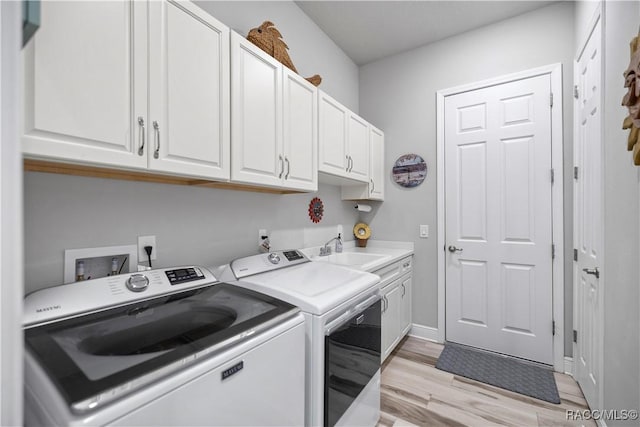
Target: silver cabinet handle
[[404, 290], [373, 185], [351, 161], [348, 163], [141, 136], [594, 271], [453, 249], [281, 166], [288, 168], [156, 128]]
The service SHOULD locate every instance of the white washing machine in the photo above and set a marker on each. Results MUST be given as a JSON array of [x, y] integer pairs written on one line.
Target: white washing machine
[[342, 312], [167, 347]]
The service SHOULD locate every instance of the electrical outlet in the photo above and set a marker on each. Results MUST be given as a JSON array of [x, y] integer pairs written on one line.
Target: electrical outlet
[[424, 231], [147, 241]]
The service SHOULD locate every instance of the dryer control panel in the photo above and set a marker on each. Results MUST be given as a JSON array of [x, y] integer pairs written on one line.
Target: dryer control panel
[[256, 264]]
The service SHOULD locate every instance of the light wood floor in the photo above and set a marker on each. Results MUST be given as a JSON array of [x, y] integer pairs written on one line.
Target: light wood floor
[[414, 392]]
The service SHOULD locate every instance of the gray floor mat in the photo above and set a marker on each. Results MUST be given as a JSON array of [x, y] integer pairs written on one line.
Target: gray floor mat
[[500, 371]]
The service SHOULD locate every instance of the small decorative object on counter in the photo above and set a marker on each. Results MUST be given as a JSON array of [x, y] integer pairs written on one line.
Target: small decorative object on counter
[[80, 271], [362, 233], [409, 170], [268, 38], [339, 243], [316, 210], [632, 100]]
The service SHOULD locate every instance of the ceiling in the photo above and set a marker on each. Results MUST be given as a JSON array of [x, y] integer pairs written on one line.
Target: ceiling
[[369, 30]]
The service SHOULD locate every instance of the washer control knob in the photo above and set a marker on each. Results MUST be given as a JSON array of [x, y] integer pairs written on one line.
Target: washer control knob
[[137, 282], [274, 258]]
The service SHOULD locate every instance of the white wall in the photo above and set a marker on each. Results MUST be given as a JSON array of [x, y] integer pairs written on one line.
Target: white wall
[[398, 95], [621, 212], [192, 225], [11, 339], [310, 49]]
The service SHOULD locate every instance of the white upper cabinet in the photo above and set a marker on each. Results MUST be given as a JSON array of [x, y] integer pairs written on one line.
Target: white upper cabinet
[[358, 154], [343, 142], [189, 91], [332, 144], [376, 166], [273, 121], [374, 188], [129, 84], [300, 106], [85, 83]]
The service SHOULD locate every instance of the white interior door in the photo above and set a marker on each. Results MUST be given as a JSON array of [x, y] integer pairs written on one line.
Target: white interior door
[[588, 218], [499, 218]]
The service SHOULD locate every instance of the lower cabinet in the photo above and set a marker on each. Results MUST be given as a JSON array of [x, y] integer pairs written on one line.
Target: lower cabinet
[[396, 304]]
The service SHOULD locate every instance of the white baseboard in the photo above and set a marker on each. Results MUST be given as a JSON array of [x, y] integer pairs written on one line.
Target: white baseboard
[[424, 332], [568, 365]]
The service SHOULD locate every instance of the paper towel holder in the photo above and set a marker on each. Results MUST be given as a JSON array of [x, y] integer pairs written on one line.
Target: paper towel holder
[[362, 207]]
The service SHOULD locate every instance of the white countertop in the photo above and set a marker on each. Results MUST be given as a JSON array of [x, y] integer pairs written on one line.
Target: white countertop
[[380, 254]]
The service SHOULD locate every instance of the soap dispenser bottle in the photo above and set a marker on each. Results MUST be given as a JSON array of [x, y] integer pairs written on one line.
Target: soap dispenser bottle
[[339, 243]]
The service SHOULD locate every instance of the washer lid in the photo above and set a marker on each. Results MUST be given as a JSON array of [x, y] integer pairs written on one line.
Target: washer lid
[[315, 287], [95, 358]]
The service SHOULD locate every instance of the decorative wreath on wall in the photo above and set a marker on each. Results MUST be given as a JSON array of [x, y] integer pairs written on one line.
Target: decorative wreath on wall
[[632, 100], [316, 210]]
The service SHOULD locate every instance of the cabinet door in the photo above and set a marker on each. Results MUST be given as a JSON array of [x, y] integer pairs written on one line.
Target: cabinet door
[[332, 142], [358, 151], [405, 310], [189, 91], [376, 167], [390, 319], [300, 103], [256, 115], [85, 83]]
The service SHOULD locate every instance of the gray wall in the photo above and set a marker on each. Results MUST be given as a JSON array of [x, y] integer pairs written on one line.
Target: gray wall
[[311, 50], [621, 213], [192, 225], [398, 94]]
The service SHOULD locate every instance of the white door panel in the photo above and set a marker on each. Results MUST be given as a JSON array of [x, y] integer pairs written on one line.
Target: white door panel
[[358, 135], [332, 142], [498, 211], [256, 119], [588, 218], [189, 97], [86, 84], [300, 105]]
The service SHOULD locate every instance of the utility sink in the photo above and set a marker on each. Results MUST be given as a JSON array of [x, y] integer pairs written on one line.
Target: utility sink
[[350, 258]]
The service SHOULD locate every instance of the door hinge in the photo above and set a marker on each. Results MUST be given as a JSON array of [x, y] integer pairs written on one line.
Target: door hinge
[[553, 175], [553, 327], [553, 251], [575, 336], [575, 255], [575, 172], [551, 99], [576, 94]]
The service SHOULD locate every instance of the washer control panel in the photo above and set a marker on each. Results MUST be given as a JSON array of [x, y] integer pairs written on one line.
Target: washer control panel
[[256, 264], [182, 275]]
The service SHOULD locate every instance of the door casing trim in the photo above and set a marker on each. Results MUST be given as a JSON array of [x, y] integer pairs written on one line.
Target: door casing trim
[[557, 196]]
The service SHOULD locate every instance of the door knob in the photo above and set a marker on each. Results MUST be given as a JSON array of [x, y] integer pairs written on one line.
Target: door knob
[[593, 271], [453, 249]]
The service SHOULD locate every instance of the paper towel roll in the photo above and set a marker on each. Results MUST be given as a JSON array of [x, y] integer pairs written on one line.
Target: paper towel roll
[[363, 208]]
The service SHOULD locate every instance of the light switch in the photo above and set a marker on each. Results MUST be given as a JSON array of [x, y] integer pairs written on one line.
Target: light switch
[[424, 231]]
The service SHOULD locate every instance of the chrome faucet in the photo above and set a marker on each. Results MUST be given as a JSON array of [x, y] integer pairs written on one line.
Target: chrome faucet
[[326, 249]]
